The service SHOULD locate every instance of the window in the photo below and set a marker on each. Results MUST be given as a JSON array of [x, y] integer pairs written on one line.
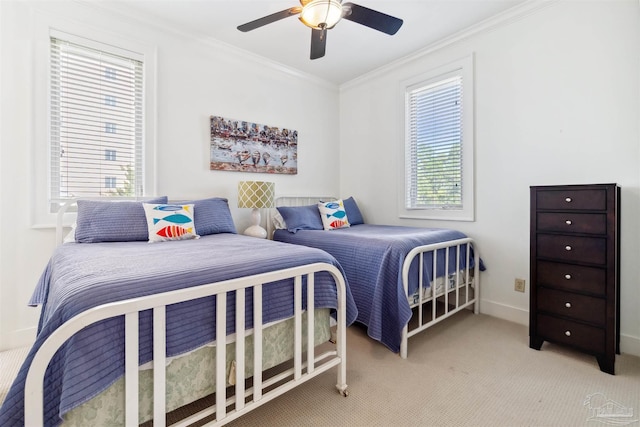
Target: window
[[88, 126], [437, 180], [110, 127], [59, 44], [110, 100], [109, 73]]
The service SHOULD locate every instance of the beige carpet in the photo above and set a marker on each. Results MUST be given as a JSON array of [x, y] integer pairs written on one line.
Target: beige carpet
[[10, 363], [470, 370], [467, 371]]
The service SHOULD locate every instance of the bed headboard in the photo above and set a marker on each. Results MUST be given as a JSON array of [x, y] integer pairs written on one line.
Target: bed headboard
[[301, 200], [292, 201]]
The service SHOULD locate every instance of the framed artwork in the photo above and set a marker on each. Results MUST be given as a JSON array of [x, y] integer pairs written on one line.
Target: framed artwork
[[242, 146]]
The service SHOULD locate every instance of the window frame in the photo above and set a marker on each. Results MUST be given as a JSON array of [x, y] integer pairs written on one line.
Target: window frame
[[110, 155], [110, 182], [46, 25], [464, 68]]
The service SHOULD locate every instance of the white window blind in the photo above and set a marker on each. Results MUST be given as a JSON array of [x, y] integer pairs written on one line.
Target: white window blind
[[436, 179], [96, 108], [434, 152]]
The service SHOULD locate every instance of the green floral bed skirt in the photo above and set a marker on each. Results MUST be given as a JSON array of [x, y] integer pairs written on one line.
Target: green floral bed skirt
[[192, 376]]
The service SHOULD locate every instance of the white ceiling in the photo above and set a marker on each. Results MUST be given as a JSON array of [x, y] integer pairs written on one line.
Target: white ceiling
[[352, 49]]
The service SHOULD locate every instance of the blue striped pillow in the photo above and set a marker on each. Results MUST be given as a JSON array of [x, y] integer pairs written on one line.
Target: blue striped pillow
[[112, 221], [301, 217], [353, 212], [212, 216]]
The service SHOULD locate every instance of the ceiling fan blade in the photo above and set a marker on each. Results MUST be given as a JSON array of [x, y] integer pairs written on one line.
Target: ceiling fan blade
[[372, 18], [269, 19], [318, 43]]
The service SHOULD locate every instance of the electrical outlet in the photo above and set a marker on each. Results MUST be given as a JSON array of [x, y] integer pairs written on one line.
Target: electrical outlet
[[519, 285]]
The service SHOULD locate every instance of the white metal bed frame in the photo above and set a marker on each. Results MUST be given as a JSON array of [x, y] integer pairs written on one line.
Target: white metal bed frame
[[464, 294], [225, 409], [461, 292]]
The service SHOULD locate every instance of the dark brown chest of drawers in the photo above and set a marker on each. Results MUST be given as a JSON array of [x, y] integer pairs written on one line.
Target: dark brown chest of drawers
[[575, 269]]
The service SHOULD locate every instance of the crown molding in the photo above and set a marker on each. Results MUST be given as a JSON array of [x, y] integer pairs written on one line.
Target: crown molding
[[233, 51], [490, 24], [505, 18]]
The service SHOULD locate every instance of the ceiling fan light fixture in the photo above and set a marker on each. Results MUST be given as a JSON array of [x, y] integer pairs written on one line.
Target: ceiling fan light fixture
[[321, 14]]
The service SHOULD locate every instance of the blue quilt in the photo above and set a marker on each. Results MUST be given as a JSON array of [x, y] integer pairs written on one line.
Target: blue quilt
[[82, 276], [372, 258]]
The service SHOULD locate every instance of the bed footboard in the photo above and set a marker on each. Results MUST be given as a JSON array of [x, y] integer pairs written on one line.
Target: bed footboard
[[446, 294], [243, 398]]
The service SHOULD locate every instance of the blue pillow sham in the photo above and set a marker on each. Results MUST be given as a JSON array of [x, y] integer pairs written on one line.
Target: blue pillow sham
[[353, 212], [112, 221], [115, 221], [301, 217], [212, 216]]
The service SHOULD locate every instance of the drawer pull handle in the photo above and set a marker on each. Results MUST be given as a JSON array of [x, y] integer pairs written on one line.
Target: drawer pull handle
[[568, 248], [568, 200], [568, 305], [567, 333], [567, 276], [568, 222]]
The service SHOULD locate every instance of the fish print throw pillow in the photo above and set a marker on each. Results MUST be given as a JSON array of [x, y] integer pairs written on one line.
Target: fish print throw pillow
[[333, 215], [170, 222]]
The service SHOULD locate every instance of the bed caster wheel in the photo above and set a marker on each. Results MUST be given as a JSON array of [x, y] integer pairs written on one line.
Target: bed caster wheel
[[344, 392]]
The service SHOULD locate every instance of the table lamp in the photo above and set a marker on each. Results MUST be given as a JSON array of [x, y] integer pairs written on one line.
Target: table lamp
[[256, 195]]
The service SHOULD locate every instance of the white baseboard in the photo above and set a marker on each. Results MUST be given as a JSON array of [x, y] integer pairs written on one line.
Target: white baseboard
[[503, 311], [628, 343]]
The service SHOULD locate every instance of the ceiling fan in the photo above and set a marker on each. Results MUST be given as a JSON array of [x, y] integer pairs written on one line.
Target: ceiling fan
[[322, 15]]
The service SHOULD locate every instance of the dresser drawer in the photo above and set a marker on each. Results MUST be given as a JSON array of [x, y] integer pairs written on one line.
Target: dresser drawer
[[571, 277], [563, 331], [595, 199], [572, 248], [576, 306], [591, 223]]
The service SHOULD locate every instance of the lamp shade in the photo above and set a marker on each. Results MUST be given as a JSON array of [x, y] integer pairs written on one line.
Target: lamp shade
[[256, 194], [318, 13]]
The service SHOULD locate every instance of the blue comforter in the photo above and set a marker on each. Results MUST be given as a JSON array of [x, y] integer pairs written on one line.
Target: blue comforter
[[372, 258], [81, 276]]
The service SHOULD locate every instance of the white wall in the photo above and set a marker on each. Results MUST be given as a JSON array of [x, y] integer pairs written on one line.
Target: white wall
[[1, 97], [556, 102], [195, 79]]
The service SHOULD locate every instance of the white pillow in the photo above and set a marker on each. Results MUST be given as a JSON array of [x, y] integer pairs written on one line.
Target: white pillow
[[333, 215], [71, 236], [170, 222], [278, 221]]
